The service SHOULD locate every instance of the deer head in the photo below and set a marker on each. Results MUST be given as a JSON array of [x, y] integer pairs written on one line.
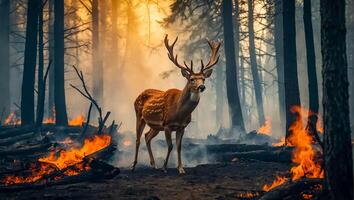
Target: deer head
[[195, 79]]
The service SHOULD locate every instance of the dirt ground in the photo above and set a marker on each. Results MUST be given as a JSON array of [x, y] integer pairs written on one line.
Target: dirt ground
[[209, 181]]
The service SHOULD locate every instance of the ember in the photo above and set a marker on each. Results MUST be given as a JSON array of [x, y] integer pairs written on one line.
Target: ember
[[266, 128], [278, 181], [127, 143]]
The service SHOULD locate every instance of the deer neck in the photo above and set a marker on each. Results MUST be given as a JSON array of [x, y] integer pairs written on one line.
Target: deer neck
[[188, 100]]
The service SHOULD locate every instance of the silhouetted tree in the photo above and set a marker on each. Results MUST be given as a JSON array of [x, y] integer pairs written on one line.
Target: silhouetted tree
[[231, 73], [51, 57], [254, 65], [337, 137], [311, 66], [27, 97], [59, 81], [4, 57], [279, 59], [292, 93]]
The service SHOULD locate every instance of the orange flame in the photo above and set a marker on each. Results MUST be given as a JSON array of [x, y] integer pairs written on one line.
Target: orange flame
[[12, 120], [278, 181], [304, 154], [49, 120], [266, 128], [66, 158], [77, 121]]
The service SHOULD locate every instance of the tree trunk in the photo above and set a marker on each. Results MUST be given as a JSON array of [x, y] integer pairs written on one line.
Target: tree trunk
[[59, 81], [29, 68], [350, 50], [219, 90], [292, 94], [114, 47], [337, 139], [4, 58], [103, 29], [254, 65], [231, 73], [279, 59], [51, 57], [311, 66], [96, 56], [40, 86]]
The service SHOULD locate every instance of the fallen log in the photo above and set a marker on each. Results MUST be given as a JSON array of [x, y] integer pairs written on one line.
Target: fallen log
[[99, 170], [19, 138], [283, 156], [42, 147], [301, 189], [16, 131]]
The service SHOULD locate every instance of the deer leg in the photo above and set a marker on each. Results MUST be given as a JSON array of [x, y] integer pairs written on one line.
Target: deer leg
[[179, 135], [140, 125], [148, 137], [169, 145]]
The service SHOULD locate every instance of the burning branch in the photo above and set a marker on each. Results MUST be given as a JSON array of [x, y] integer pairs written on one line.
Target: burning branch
[[101, 120]]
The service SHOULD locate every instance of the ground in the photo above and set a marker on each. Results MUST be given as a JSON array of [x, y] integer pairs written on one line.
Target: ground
[[209, 181]]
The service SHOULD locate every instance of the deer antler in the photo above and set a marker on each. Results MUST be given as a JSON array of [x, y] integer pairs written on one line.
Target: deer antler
[[214, 45], [174, 58]]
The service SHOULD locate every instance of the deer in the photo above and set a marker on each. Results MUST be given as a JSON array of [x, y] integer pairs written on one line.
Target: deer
[[171, 110]]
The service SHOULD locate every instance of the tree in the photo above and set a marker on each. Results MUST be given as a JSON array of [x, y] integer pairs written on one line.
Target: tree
[[337, 137], [254, 65], [279, 58], [40, 85], [51, 57], [231, 73], [59, 81], [292, 93], [311, 66], [96, 55], [350, 50], [29, 68], [5, 57]]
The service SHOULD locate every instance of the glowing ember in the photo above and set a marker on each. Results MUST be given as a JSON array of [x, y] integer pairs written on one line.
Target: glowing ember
[[304, 154], [278, 181], [67, 158], [280, 143], [77, 121], [49, 120], [247, 195], [127, 143], [266, 128]]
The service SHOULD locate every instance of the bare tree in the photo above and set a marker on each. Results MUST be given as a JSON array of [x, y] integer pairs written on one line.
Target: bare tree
[[231, 73], [4, 57], [292, 93], [27, 97], [59, 81]]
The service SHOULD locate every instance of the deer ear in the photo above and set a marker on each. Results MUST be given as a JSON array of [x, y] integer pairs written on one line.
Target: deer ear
[[208, 73], [185, 73]]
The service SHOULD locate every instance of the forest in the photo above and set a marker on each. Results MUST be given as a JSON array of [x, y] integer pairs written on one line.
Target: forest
[[255, 99]]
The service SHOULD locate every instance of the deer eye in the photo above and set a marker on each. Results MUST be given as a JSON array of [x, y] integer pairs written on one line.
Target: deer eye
[[192, 80]]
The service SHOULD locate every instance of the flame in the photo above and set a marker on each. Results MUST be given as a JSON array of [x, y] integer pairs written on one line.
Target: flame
[[12, 120], [304, 154], [280, 143], [266, 128], [127, 143], [49, 120], [67, 158], [77, 121], [75, 155], [247, 195], [278, 181]]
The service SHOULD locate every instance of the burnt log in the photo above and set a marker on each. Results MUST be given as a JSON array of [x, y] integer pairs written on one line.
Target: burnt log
[[296, 190], [28, 150], [283, 156]]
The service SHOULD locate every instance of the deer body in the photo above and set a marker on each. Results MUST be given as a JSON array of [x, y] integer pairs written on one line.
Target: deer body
[[170, 110]]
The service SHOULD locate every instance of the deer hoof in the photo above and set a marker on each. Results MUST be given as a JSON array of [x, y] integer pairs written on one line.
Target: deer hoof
[[164, 169], [181, 170], [132, 168]]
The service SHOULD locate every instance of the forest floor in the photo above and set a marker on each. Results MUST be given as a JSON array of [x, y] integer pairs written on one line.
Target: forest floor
[[208, 181]]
